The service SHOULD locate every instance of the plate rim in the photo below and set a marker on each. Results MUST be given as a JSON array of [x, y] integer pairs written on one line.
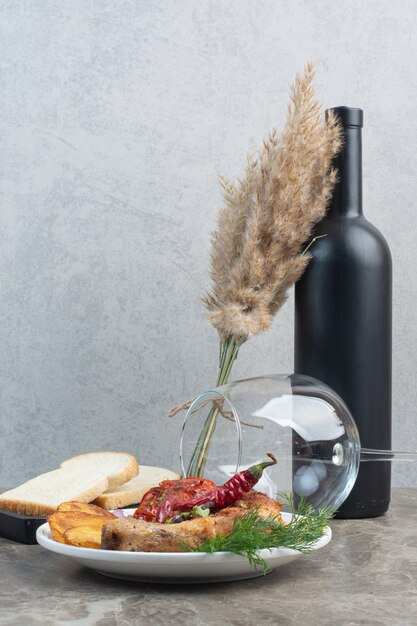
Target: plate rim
[[44, 538]]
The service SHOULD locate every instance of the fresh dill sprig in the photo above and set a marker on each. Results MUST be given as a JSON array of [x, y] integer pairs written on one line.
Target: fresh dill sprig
[[252, 532]]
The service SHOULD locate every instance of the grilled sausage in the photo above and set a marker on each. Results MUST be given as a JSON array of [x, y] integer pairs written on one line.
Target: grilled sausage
[[139, 536]]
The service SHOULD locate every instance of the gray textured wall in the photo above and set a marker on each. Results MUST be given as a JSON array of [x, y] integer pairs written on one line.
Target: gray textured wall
[[115, 118]]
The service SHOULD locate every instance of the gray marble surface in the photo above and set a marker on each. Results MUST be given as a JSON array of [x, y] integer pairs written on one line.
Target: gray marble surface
[[367, 576]]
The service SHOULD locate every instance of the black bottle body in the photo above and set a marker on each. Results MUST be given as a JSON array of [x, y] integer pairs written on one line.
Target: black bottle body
[[343, 323]]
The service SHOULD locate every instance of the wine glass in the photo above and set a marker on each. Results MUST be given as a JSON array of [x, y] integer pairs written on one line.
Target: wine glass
[[301, 420]]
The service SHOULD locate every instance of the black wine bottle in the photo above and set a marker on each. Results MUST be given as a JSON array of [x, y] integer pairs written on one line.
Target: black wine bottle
[[343, 318]]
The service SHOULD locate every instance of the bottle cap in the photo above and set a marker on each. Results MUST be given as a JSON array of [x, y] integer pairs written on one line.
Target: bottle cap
[[349, 116]]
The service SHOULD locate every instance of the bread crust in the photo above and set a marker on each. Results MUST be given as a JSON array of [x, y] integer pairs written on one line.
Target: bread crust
[[118, 501], [31, 509]]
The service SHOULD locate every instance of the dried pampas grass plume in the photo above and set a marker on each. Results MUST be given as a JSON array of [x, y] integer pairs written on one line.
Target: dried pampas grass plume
[[259, 248], [268, 217]]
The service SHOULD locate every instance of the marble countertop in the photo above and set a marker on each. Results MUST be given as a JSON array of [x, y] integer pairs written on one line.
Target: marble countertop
[[367, 576]]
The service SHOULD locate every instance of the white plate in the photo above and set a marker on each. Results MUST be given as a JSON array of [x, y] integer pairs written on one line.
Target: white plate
[[173, 567]]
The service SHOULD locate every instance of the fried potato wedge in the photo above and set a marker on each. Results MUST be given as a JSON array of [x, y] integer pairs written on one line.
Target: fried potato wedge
[[57, 529], [60, 522], [84, 536], [90, 509], [72, 515]]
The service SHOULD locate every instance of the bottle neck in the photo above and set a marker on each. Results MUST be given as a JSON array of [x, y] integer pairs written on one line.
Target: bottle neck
[[347, 194]]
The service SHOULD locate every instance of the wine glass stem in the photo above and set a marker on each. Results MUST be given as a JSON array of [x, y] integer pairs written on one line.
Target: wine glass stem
[[368, 454]]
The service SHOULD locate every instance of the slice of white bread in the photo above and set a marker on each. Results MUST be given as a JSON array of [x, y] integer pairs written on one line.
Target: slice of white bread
[[80, 478], [132, 491]]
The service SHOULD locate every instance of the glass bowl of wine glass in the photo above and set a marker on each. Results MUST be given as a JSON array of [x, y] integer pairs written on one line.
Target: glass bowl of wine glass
[[303, 422]]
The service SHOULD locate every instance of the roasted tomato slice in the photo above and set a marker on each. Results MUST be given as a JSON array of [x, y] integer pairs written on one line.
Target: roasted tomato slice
[[149, 504], [174, 496]]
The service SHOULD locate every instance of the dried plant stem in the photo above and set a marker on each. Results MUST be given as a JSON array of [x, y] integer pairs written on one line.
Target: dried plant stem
[[229, 349]]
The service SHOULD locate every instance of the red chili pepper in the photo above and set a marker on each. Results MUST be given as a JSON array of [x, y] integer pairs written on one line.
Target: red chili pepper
[[241, 483], [232, 490]]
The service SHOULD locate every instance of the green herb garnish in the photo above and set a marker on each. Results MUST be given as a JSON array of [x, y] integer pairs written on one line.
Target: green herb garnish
[[252, 532], [199, 511]]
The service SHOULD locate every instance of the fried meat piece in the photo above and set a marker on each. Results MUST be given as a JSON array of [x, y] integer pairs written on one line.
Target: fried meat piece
[[139, 536]]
